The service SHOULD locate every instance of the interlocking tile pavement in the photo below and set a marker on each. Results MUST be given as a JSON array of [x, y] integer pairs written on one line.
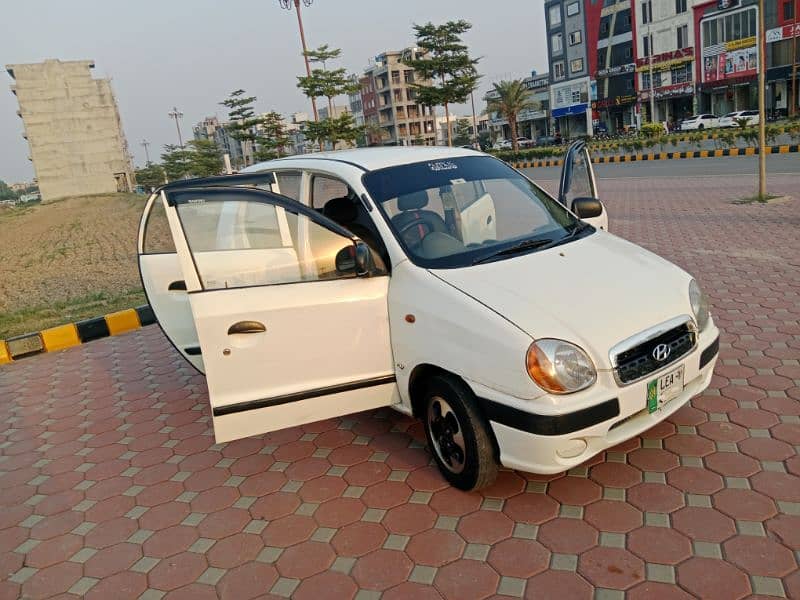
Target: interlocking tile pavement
[[111, 485]]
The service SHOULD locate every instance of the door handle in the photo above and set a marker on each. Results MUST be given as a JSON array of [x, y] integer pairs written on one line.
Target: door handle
[[247, 327], [177, 285]]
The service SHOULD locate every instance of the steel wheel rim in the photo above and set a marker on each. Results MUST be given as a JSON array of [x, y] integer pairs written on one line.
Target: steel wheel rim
[[447, 435]]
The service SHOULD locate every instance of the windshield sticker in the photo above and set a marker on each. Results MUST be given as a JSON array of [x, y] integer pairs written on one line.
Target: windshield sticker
[[196, 200], [458, 181], [442, 165]]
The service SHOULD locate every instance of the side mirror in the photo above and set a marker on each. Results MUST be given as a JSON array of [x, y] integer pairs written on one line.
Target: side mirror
[[354, 259], [586, 208]]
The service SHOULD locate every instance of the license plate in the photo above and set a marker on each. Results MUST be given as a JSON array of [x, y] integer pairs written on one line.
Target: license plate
[[665, 388]]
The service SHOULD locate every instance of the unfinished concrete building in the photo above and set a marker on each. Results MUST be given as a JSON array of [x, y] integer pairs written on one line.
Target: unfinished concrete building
[[73, 128]]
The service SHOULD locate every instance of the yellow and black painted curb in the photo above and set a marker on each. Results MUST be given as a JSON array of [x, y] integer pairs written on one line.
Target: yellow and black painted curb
[[619, 158], [72, 334]]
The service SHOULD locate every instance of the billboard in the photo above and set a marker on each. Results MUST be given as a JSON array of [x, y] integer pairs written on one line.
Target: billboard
[[735, 60]]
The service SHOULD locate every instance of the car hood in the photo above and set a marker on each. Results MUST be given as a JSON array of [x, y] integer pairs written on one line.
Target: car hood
[[595, 291]]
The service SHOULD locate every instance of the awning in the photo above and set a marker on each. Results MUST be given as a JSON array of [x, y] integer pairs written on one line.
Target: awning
[[575, 109]]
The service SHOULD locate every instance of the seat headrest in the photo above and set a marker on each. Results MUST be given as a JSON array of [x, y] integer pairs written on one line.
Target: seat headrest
[[413, 201], [341, 210]]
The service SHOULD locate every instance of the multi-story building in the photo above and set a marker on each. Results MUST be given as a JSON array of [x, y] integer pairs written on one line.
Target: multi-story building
[[609, 36], [726, 34], [782, 32], [211, 128], [665, 59], [356, 103], [395, 119], [73, 128], [570, 85], [532, 123]]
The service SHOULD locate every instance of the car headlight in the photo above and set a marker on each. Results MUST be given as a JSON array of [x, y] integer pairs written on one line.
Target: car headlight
[[559, 367], [699, 303]]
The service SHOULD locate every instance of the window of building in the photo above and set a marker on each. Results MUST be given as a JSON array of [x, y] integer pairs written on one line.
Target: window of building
[[573, 9], [409, 76], [629, 85], [604, 27], [576, 65], [647, 45], [555, 15], [575, 95], [558, 70], [680, 6], [681, 74], [601, 57], [629, 52], [788, 10], [683, 36], [575, 38], [556, 43], [647, 11]]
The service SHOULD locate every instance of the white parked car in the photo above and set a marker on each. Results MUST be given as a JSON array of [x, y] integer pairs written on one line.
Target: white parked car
[[502, 145], [705, 121], [731, 119], [440, 282]]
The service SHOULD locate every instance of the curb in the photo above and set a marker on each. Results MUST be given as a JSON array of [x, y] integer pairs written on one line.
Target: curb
[[73, 334], [618, 158]]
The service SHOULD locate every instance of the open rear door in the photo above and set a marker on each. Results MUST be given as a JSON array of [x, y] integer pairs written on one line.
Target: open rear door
[[289, 333], [578, 181]]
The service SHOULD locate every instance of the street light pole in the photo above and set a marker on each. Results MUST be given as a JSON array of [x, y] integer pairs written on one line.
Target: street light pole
[[287, 4], [650, 61], [145, 144], [474, 118], [793, 107], [762, 143], [176, 114]]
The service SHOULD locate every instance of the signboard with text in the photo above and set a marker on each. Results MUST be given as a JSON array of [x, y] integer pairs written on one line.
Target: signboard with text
[[738, 58], [783, 33]]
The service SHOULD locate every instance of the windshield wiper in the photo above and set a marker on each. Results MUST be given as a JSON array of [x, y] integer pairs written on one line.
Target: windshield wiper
[[518, 247]]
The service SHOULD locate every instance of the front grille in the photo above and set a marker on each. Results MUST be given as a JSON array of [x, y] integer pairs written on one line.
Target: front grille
[[638, 362]]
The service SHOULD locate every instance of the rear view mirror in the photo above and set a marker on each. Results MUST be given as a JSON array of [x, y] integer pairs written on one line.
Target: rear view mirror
[[353, 259], [586, 208]]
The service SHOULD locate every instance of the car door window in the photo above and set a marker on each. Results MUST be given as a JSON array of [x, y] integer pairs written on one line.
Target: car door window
[[289, 184], [238, 243], [324, 189]]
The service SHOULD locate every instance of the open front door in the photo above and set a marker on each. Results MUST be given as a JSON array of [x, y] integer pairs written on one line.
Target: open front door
[[578, 182], [290, 330], [161, 275]]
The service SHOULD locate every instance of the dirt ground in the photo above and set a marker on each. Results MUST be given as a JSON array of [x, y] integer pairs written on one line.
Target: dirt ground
[[68, 260]]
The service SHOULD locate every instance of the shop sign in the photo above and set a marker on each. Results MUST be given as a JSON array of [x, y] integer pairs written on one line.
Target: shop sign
[[739, 44], [537, 82], [618, 70], [615, 101], [733, 63], [682, 55], [725, 4], [669, 91], [783, 33]]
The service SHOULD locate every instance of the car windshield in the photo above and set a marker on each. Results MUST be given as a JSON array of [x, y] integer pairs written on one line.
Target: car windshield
[[733, 114], [456, 212]]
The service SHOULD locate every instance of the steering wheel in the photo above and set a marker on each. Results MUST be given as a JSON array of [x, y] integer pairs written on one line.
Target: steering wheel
[[414, 223]]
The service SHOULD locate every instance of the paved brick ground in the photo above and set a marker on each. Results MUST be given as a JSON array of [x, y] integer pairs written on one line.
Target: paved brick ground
[[111, 485]]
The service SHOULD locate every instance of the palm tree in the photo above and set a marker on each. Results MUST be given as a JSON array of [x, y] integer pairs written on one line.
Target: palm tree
[[509, 99]]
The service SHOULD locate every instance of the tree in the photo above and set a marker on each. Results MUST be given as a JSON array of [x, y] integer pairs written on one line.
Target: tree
[[334, 130], [177, 162], [509, 99], [463, 133], [272, 138], [445, 60], [151, 176], [6, 193], [205, 158]]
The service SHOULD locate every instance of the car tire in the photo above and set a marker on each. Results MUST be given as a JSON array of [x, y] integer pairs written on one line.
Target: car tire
[[701, 126], [458, 436]]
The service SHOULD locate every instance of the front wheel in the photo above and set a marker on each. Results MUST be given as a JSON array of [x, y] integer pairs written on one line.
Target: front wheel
[[458, 436], [700, 126]]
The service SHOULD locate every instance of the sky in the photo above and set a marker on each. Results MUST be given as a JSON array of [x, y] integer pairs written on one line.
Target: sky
[[192, 54]]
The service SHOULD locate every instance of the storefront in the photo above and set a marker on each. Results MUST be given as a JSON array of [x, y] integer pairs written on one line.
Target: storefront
[[729, 60], [616, 114], [570, 110], [669, 76], [782, 43]]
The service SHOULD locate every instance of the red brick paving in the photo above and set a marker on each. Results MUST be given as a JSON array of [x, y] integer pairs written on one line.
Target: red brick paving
[[110, 480]]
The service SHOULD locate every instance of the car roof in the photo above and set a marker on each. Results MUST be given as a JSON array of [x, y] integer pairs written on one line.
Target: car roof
[[371, 159]]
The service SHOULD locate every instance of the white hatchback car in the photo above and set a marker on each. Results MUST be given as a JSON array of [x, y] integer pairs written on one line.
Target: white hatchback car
[[440, 282]]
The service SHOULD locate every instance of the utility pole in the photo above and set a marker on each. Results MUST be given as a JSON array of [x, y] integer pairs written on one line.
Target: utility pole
[[650, 61], [762, 143], [287, 4], [145, 144], [474, 118], [793, 107], [176, 114]]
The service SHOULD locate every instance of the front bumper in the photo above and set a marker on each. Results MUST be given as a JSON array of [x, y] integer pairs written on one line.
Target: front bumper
[[556, 443]]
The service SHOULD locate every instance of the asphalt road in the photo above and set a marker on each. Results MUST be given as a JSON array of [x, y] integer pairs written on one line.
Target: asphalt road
[[788, 164]]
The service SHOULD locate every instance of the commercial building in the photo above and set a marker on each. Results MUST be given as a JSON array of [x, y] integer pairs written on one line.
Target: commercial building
[[783, 56], [665, 59], [211, 128], [726, 34], [609, 35], [391, 113], [73, 128], [570, 83], [533, 123]]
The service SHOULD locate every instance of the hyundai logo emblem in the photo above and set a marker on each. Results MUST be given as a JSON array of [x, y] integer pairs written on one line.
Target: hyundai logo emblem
[[661, 352]]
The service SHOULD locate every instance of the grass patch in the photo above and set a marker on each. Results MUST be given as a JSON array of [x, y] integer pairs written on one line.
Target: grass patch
[[756, 199], [36, 318]]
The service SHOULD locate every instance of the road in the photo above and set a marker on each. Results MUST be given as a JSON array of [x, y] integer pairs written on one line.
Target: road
[[777, 164]]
